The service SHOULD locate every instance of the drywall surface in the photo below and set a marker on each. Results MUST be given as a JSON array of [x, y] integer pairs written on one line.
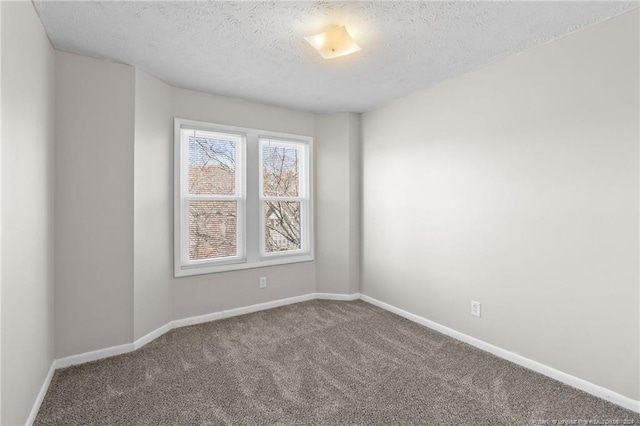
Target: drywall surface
[[27, 209], [202, 294], [255, 49], [337, 201], [0, 212], [517, 186], [153, 220], [355, 201], [114, 246], [159, 297], [94, 160]]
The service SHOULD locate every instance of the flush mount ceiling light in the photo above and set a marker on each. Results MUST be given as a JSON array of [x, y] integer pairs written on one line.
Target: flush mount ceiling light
[[334, 42]]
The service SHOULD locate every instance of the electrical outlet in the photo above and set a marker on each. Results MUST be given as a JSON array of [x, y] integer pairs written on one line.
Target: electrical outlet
[[475, 308], [263, 282]]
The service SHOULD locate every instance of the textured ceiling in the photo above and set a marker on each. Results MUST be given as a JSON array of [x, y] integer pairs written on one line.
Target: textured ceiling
[[256, 50]]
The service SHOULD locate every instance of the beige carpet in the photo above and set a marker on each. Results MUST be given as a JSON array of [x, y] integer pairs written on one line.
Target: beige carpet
[[318, 362]]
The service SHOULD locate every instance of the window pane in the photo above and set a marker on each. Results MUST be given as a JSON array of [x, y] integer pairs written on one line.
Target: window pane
[[212, 229], [212, 165], [280, 172], [281, 226]]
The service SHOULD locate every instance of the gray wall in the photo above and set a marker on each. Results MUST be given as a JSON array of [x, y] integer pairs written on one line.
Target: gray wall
[[94, 158], [115, 282], [516, 185], [160, 296], [338, 200], [27, 209], [204, 294], [153, 218]]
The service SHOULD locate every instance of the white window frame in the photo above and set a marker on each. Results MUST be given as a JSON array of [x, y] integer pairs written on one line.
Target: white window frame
[[250, 221], [303, 195], [239, 197]]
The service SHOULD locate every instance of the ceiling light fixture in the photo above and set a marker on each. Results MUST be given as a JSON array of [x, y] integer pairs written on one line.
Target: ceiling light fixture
[[334, 42]]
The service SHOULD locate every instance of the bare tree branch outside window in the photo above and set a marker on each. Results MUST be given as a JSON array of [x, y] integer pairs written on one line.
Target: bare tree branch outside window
[[243, 198], [281, 178], [212, 224]]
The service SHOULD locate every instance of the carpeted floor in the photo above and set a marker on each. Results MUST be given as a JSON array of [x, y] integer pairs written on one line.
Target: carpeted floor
[[318, 362]]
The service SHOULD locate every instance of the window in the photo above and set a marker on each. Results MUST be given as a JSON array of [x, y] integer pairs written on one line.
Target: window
[[284, 197], [242, 198], [212, 197]]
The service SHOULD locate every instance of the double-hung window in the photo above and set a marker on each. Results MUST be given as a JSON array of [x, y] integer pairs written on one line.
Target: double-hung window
[[242, 198], [284, 197]]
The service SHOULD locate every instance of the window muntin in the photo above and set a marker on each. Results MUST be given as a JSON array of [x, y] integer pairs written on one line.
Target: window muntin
[[212, 197], [221, 190], [283, 196]]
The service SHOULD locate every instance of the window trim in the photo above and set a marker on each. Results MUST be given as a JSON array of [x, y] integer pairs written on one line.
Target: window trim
[[240, 197], [252, 224], [304, 197]]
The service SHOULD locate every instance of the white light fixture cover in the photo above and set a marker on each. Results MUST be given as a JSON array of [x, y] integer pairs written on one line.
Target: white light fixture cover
[[334, 42]]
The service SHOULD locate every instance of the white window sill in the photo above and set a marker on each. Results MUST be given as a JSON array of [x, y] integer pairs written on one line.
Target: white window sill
[[186, 271]]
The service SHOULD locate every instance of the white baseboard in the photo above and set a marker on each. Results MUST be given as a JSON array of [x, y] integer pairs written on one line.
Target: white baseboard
[[128, 347], [152, 336], [558, 375], [93, 355], [563, 377], [240, 311], [40, 397], [267, 305], [337, 296]]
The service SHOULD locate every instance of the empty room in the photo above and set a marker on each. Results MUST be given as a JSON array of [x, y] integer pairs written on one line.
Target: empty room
[[310, 213]]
